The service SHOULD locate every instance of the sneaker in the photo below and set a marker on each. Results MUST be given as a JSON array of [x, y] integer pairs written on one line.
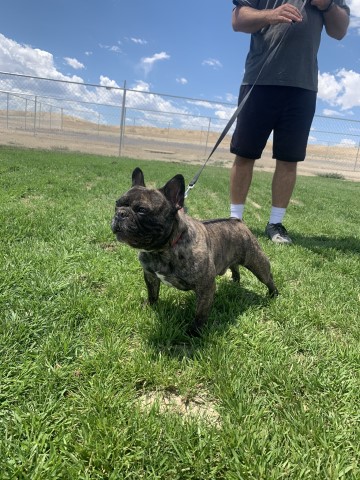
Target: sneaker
[[277, 233]]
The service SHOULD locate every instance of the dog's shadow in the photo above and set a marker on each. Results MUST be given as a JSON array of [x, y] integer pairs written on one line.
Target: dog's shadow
[[175, 311]]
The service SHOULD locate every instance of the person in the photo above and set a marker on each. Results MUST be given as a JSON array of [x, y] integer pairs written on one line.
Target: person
[[283, 96]]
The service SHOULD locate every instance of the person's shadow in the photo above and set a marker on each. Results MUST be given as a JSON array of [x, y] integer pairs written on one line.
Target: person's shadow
[[323, 244]]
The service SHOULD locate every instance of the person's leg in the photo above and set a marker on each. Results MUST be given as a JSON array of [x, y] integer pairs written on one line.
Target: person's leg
[[283, 184], [240, 181], [289, 147], [253, 127]]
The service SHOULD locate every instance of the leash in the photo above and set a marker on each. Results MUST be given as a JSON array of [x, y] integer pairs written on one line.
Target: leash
[[240, 107]]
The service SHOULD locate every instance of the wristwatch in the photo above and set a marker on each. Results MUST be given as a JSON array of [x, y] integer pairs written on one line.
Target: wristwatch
[[329, 7]]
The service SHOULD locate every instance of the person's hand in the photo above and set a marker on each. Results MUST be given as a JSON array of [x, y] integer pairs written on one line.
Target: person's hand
[[287, 13]]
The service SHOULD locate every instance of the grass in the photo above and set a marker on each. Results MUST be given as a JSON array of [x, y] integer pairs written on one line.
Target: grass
[[338, 176], [94, 386]]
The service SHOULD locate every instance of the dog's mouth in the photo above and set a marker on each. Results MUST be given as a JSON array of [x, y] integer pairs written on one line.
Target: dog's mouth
[[115, 227], [123, 235], [118, 231], [147, 235]]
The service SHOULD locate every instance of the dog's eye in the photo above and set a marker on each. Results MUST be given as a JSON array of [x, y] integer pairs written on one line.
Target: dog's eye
[[141, 211]]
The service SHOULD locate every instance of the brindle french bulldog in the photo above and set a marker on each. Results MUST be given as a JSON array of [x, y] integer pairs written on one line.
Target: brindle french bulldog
[[183, 252]]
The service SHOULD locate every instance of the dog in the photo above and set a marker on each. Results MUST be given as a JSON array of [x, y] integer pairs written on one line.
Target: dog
[[183, 252]]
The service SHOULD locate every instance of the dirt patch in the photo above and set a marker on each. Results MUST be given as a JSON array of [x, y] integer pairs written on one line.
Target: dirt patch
[[168, 401]]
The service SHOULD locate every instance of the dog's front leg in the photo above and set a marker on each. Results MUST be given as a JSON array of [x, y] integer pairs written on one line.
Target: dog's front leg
[[204, 300], [153, 286]]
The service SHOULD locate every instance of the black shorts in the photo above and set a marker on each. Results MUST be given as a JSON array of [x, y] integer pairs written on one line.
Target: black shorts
[[287, 111]]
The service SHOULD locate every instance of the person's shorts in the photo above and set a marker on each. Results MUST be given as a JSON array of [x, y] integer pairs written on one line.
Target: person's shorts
[[286, 111]]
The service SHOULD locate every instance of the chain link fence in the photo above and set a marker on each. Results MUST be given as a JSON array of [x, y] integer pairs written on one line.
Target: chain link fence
[[111, 120]]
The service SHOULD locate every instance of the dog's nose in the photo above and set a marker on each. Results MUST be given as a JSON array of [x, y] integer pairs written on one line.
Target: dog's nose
[[122, 213]]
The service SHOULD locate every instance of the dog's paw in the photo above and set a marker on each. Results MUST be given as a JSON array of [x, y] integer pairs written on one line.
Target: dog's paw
[[195, 329], [148, 303], [274, 293]]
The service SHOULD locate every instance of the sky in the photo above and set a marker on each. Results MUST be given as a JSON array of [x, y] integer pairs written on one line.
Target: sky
[[185, 48]]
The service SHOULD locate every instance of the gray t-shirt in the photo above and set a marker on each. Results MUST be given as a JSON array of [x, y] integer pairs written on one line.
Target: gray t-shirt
[[295, 62]]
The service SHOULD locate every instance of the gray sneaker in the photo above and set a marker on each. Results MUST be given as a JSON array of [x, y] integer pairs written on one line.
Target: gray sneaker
[[277, 233]]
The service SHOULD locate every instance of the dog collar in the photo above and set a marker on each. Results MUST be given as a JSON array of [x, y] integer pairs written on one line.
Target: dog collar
[[173, 244]]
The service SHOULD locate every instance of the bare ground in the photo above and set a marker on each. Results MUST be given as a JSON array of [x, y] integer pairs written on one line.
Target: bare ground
[[180, 146]]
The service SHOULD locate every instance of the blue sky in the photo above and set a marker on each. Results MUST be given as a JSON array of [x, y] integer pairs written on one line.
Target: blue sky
[[183, 48]]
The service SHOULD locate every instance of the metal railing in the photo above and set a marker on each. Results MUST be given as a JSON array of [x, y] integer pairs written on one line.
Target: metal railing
[[112, 120]]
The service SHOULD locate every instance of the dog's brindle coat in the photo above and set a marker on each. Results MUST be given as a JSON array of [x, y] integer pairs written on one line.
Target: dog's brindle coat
[[183, 252]]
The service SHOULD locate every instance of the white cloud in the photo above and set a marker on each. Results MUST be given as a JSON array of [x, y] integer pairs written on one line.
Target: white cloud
[[340, 89], [141, 86], [25, 60], [106, 82], [347, 142], [354, 6], [147, 63], [182, 80], [327, 112], [329, 87], [224, 113], [212, 62], [75, 64], [139, 41], [111, 48], [231, 98]]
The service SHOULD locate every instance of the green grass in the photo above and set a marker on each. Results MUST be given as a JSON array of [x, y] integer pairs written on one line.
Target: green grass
[[277, 382]]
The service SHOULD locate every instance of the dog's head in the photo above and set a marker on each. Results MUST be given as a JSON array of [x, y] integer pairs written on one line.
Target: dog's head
[[144, 218]]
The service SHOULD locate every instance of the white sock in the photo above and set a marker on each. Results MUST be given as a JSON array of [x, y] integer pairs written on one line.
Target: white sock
[[237, 210], [277, 214]]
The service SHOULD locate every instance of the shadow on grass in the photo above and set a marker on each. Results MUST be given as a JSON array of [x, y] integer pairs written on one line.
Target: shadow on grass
[[169, 334], [321, 243]]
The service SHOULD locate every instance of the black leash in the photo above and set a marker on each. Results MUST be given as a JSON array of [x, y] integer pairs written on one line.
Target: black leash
[[239, 108]]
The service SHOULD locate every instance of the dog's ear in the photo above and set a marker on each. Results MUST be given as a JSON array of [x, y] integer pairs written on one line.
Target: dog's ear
[[174, 191], [138, 177]]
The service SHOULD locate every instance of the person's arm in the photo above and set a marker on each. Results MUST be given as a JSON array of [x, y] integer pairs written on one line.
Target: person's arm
[[336, 19], [250, 20]]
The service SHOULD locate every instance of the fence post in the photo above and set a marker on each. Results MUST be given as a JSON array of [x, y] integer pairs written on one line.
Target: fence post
[[357, 156], [35, 107], [40, 112], [26, 105], [122, 119], [207, 136], [7, 110]]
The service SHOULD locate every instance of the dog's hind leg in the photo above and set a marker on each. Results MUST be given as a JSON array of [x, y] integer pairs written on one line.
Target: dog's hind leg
[[260, 267]]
